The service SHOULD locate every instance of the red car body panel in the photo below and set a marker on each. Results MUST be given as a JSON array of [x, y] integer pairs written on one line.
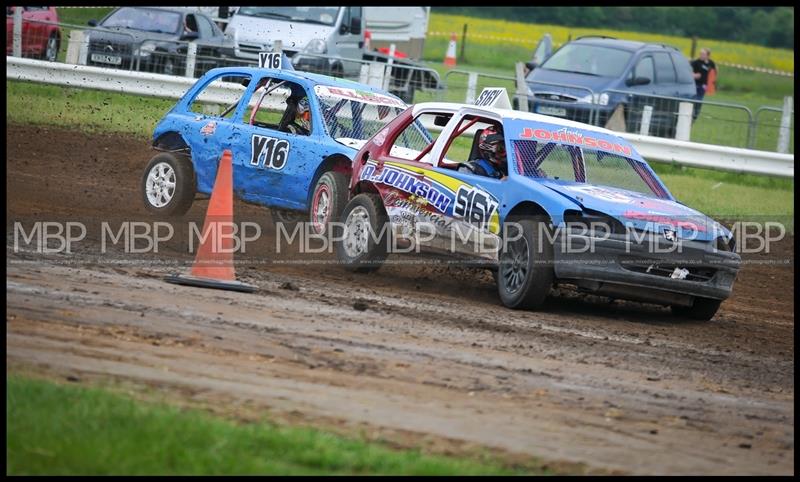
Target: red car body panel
[[34, 34]]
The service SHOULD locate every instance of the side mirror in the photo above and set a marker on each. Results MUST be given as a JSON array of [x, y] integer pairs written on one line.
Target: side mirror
[[355, 25], [637, 81], [531, 65], [190, 36], [441, 120], [92, 23]]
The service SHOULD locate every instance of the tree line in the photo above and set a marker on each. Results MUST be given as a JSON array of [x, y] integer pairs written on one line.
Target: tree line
[[767, 26]]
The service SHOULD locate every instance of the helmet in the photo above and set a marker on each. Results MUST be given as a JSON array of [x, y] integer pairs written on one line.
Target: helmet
[[303, 113], [492, 145]]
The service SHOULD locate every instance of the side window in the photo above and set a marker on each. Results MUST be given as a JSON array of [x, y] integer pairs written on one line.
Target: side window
[[464, 144], [645, 68], [221, 96], [273, 104], [204, 27], [190, 24], [415, 138], [665, 71], [355, 19], [684, 69]]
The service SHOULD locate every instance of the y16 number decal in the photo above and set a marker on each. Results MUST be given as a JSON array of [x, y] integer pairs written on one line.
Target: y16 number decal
[[474, 205], [269, 152]]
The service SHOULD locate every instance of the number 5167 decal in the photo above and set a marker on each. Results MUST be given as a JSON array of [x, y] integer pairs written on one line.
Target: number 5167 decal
[[269, 152]]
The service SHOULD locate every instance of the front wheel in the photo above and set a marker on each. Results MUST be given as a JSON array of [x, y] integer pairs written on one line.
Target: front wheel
[[362, 238], [525, 274], [328, 200], [702, 309], [168, 185]]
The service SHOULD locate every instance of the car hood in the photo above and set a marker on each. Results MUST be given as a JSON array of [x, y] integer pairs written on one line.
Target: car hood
[[596, 84], [293, 35], [643, 212], [129, 35]]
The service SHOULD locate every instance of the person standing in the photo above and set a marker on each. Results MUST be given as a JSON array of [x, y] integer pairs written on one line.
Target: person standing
[[702, 68]]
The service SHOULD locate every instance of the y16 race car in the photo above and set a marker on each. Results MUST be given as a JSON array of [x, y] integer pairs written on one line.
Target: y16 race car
[[575, 204], [293, 136]]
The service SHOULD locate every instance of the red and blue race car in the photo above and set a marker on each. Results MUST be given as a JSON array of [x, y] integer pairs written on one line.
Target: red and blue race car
[[577, 204]]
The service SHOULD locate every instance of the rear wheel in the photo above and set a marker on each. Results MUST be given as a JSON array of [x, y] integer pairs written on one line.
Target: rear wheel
[[362, 238], [327, 201], [525, 275], [702, 309], [168, 185]]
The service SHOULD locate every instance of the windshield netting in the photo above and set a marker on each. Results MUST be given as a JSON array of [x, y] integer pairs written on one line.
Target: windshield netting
[[552, 160]]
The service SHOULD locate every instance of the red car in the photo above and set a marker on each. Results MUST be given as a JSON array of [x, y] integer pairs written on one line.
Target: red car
[[40, 40]]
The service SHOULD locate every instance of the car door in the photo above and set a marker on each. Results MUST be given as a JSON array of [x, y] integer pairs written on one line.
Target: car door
[[449, 210], [274, 165]]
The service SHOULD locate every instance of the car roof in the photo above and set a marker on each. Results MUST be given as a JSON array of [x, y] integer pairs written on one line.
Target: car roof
[[304, 77], [510, 114], [630, 45]]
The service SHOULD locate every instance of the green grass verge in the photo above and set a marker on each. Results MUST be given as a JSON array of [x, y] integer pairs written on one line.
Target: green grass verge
[[72, 430], [738, 195]]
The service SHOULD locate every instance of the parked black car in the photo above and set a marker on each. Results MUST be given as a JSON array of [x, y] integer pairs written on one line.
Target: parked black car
[[155, 39], [588, 78]]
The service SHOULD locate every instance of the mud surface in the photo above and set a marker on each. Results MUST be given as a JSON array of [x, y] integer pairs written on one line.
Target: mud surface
[[424, 350]]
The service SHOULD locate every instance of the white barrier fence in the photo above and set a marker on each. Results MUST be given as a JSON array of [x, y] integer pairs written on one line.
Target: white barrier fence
[[172, 87]]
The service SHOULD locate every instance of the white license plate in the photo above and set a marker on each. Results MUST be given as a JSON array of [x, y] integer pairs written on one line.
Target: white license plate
[[547, 110], [106, 59]]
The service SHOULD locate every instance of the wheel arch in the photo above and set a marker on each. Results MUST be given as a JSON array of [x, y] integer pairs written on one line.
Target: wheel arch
[[335, 162], [528, 208]]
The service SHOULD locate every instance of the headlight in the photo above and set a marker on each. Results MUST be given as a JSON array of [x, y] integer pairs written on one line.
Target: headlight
[[316, 46], [601, 99], [147, 49]]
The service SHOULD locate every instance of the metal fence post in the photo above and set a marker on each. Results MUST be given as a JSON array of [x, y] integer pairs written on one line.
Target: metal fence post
[[647, 114], [522, 87], [17, 40], [786, 120], [472, 84], [191, 57], [74, 47], [387, 77], [683, 131]]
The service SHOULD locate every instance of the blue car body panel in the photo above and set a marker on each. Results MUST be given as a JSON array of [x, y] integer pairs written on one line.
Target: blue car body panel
[[287, 186]]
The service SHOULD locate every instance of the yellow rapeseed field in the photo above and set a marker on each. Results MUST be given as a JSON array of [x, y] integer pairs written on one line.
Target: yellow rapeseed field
[[492, 32]]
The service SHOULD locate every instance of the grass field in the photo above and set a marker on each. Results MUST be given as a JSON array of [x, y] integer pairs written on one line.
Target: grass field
[[738, 194], [517, 40], [54, 429]]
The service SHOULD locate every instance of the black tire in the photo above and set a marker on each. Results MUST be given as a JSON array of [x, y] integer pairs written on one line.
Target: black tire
[[364, 209], [525, 275], [289, 219], [327, 201], [702, 309], [177, 200]]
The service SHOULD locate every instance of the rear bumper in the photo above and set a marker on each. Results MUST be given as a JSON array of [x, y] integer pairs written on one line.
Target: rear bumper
[[650, 267]]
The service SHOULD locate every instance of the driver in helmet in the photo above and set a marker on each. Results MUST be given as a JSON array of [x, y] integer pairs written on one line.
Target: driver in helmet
[[492, 150], [302, 118]]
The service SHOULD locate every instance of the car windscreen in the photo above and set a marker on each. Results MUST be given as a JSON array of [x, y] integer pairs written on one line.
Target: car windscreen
[[562, 162], [589, 59], [318, 15], [355, 115], [146, 19]]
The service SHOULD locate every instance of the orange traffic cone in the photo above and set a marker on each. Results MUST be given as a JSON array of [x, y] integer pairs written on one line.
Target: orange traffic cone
[[450, 57], [213, 264]]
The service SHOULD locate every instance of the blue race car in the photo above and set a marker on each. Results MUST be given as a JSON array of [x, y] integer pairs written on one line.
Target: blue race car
[[293, 136], [572, 203]]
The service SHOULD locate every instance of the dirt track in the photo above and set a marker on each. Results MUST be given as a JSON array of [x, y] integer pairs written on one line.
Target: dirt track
[[412, 349]]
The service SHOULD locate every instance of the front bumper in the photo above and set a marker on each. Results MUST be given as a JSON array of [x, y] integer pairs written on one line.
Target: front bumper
[[648, 264], [575, 111]]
